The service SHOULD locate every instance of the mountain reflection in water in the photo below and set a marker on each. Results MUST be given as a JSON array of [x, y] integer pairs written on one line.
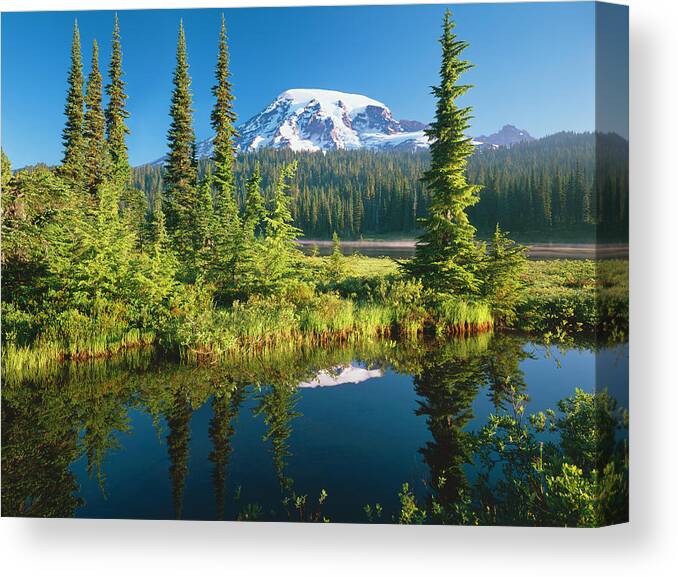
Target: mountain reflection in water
[[263, 437], [341, 375]]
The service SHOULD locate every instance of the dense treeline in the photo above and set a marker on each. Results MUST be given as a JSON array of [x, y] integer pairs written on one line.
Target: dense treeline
[[349, 192], [560, 184], [541, 190]]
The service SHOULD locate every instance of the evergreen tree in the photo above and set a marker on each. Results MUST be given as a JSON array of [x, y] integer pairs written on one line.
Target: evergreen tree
[[558, 202], [447, 381], [227, 239], [133, 202], [72, 163], [255, 211], [223, 119], [584, 192], [96, 161], [227, 230], [92, 260], [39, 211], [134, 209], [503, 281], [278, 405], [280, 251], [180, 169], [358, 214], [204, 222], [5, 169], [250, 267], [225, 408], [544, 195], [157, 273], [116, 114], [158, 236], [103, 422], [40, 445], [447, 257], [387, 183], [336, 265]]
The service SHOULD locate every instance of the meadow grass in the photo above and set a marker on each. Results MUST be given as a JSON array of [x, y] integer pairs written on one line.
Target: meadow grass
[[568, 296], [46, 350], [561, 298], [460, 316]]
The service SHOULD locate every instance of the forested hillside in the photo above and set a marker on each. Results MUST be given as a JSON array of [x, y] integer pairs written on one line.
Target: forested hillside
[[541, 190]]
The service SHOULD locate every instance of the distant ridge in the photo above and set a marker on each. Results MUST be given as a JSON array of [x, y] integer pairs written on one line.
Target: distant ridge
[[507, 136]]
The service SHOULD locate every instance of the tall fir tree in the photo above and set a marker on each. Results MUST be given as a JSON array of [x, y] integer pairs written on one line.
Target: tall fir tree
[[116, 113], [225, 408], [227, 233], [204, 222], [94, 132], [133, 200], [447, 257], [181, 170], [227, 244], [178, 419], [72, 136], [223, 119]]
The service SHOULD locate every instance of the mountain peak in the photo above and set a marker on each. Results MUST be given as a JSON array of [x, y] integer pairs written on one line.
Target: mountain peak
[[327, 98], [507, 136], [318, 119]]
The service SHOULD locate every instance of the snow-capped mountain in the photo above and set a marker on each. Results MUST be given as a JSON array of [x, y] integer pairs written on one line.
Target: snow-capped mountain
[[507, 136], [314, 119], [303, 119]]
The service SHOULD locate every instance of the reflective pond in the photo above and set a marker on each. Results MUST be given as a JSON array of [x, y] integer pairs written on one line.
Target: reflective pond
[[265, 437]]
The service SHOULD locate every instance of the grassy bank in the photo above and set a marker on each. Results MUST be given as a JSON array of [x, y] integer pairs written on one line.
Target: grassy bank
[[307, 316], [367, 298], [30, 342], [561, 297], [565, 297]]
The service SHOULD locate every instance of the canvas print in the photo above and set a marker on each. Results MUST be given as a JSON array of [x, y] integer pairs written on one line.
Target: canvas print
[[363, 264]]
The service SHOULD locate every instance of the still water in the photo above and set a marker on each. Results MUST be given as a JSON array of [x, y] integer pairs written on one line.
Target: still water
[[404, 250], [149, 437]]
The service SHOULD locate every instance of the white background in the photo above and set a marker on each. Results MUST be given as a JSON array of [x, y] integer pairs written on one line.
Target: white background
[[646, 546]]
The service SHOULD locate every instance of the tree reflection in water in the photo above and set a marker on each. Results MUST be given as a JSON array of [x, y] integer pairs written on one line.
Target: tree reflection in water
[[226, 403], [448, 380], [178, 439], [511, 469]]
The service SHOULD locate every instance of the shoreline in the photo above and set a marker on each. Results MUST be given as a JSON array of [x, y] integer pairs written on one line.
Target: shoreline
[[535, 250]]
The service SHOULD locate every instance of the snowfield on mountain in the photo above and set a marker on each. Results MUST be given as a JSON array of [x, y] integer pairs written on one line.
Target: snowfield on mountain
[[313, 119]]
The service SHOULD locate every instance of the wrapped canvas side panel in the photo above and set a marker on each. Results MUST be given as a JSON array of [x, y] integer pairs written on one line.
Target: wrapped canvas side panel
[[611, 213]]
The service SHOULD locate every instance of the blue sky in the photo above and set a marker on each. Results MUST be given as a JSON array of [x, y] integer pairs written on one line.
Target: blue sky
[[534, 65]]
